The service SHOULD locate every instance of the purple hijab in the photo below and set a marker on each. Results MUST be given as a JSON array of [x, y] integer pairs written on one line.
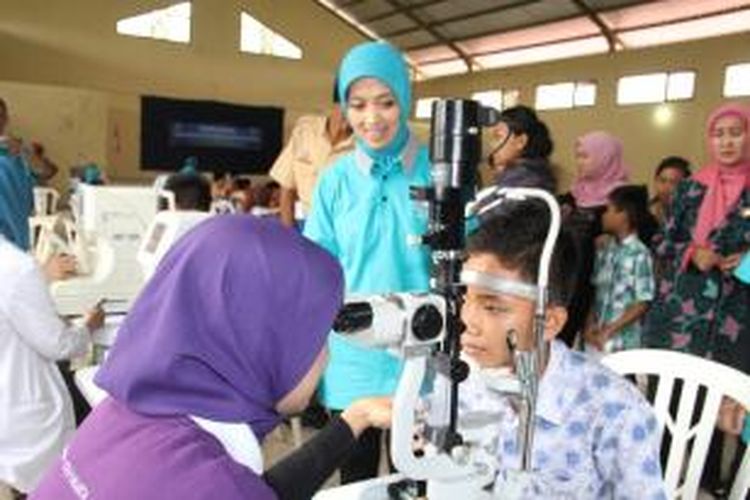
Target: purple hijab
[[231, 321]]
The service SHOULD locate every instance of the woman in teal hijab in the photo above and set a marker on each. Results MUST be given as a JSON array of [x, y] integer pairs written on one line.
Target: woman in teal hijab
[[362, 213], [16, 198]]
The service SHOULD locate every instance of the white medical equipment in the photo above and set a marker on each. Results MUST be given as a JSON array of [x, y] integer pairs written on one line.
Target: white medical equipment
[[167, 227], [105, 234], [424, 329]]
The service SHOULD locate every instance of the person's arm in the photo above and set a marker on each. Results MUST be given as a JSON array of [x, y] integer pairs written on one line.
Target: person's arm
[[301, 474], [629, 316], [32, 315], [591, 332], [283, 173], [286, 206]]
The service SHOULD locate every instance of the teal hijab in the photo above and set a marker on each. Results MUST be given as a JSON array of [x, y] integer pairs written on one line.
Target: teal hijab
[[385, 63], [16, 199]]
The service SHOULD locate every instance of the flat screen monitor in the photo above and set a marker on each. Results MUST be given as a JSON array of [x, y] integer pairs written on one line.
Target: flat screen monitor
[[221, 137]]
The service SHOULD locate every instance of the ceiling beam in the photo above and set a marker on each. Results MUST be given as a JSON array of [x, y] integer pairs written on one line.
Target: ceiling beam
[[463, 17], [406, 11], [350, 3], [594, 17]]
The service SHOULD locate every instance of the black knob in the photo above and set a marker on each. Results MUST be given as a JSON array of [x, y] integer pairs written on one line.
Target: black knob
[[459, 371], [427, 322]]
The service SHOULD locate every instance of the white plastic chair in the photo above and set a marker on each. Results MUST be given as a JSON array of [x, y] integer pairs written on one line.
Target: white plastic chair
[[45, 201], [719, 381]]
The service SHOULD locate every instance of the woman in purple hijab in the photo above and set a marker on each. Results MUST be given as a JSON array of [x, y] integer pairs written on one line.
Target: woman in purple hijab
[[228, 336]]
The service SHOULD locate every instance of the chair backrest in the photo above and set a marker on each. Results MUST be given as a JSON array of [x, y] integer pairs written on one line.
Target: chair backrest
[[45, 201], [682, 473]]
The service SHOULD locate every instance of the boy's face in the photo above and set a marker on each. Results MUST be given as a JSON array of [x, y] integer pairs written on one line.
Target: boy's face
[[614, 219], [666, 182], [489, 317]]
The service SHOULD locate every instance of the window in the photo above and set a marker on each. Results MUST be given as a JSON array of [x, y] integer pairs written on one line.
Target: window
[[171, 23], [566, 95], [257, 38], [737, 80], [511, 98], [656, 87], [491, 98], [498, 99], [423, 110]]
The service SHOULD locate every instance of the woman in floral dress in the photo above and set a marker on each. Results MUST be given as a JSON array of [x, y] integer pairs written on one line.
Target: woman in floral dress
[[700, 307]]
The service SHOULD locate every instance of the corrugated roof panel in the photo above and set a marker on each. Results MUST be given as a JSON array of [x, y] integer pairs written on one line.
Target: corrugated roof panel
[[561, 30], [369, 8], [718, 25], [437, 53], [455, 67], [669, 10], [509, 19], [442, 10], [414, 39], [550, 52], [612, 4], [392, 23]]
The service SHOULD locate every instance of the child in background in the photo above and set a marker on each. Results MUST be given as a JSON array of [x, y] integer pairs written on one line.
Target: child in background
[[595, 435], [243, 195], [669, 173], [623, 272]]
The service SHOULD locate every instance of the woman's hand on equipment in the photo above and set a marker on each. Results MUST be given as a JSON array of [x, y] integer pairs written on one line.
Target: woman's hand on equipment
[[368, 412]]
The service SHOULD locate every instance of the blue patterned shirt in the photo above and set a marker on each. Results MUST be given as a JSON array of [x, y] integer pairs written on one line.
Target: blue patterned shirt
[[596, 436], [623, 276]]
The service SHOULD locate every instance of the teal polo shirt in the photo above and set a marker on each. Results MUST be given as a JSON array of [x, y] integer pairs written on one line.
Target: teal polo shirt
[[362, 213]]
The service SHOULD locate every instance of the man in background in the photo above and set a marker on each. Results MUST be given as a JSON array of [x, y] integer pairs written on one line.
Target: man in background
[[315, 142]]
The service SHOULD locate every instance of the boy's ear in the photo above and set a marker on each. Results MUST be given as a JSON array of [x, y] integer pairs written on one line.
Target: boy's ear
[[557, 316], [520, 141]]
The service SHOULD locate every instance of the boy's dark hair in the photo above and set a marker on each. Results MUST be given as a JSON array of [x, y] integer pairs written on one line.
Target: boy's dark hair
[[676, 162], [524, 120], [516, 236], [264, 194], [633, 200], [191, 191], [241, 183]]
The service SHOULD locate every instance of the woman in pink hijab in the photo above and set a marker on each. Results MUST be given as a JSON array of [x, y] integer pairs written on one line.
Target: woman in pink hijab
[[600, 170], [701, 307]]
